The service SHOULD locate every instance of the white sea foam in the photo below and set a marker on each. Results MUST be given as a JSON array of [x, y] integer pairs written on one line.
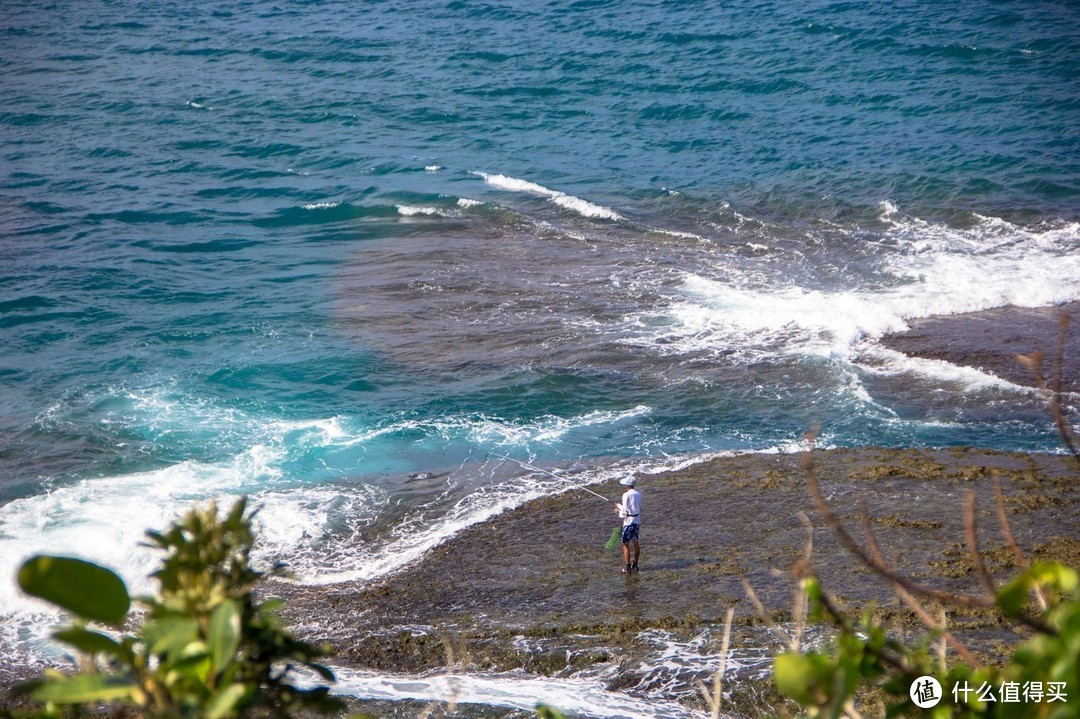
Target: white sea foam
[[888, 209], [929, 270], [993, 264], [314, 526], [681, 234], [670, 668], [432, 168], [577, 697], [412, 211], [320, 205], [714, 314], [103, 520], [547, 429], [414, 539], [569, 202], [883, 361], [467, 203], [674, 665]]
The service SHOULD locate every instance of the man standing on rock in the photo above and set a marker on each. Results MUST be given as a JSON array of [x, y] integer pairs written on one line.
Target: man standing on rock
[[629, 509]]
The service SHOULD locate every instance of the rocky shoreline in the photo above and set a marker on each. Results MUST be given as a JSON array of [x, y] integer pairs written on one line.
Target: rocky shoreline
[[990, 341], [533, 590]]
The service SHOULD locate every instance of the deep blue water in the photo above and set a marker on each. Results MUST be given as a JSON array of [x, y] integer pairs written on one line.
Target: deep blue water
[[343, 256]]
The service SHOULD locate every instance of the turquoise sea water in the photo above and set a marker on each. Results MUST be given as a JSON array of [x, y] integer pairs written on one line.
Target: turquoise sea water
[[344, 256]]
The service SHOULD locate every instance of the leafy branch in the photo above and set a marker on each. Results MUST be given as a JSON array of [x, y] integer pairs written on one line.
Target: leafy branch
[[206, 647]]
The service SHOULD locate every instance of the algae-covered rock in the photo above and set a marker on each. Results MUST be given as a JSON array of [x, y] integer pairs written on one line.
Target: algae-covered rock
[[501, 596]]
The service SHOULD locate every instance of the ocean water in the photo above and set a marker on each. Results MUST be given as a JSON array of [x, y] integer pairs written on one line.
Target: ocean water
[[347, 257]]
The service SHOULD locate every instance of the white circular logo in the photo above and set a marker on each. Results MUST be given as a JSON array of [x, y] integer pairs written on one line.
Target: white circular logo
[[925, 692]]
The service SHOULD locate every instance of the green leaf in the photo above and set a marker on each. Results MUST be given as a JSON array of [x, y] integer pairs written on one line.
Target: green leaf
[[224, 635], [90, 642], [88, 590], [1055, 575], [236, 515], [798, 676], [196, 666], [1013, 596], [225, 701], [546, 712], [170, 634], [85, 688]]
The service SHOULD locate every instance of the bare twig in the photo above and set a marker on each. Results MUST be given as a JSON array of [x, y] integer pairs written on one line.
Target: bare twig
[[808, 550], [912, 603], [1068, 435], [875, 562], [850, 710], [973, 545], [760, 608], [841, 619], [802, 569], [1003, 522], [1055, 392], [454, 662], [877, 565], [943, 645], [1006, 532], [713, 698]]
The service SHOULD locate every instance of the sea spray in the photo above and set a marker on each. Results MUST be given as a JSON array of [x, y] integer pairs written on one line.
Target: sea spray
[[337, 268]]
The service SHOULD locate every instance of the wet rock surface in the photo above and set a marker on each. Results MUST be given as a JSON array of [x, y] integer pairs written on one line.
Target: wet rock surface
[[533, 591], [990, 341], [533, 588]]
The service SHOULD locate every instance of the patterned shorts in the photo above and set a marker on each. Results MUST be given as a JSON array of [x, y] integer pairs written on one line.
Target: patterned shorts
[[630, 533]]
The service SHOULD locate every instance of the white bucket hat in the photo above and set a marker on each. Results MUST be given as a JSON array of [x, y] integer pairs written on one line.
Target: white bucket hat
[[628, 481]]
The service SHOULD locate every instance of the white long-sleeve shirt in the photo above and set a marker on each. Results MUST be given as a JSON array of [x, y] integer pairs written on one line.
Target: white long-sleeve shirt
[[630, 509]]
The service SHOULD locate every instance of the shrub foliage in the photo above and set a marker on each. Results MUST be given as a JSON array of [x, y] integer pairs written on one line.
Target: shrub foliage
[[205, 648]]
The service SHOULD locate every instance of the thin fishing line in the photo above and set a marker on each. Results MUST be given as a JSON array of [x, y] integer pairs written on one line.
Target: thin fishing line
[[526, 465]]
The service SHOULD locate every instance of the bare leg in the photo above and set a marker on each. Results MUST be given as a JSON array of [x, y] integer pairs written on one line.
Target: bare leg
[[637, 552]]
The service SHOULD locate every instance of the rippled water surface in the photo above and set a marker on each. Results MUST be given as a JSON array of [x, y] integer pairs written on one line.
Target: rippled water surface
[[345, 257]]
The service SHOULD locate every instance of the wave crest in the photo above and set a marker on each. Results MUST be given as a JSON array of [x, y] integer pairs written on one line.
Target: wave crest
[[569, 202]]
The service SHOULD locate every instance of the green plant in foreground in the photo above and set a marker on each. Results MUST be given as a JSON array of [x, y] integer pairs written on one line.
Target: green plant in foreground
[[1040, 678], [205, 649]]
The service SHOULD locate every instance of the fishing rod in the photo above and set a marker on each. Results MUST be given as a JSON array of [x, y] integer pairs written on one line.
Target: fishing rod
[[526, 465], [613, 541]]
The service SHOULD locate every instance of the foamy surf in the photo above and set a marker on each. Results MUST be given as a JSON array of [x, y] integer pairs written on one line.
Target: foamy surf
[[576, 697], [104, 519], [337, 344], [672, 667], [413, 211], [414, 538], [739, 310], [289, 470], [569, 202], [883, 361]]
